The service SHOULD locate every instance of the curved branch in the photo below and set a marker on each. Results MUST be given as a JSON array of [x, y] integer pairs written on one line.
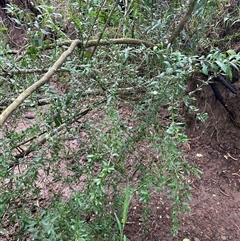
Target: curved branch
[[133, 41], [89, 44], [5, 114], [73, 44], [103, 42]]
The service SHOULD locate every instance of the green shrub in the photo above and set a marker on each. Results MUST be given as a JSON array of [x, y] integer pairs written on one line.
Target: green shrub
[[97, 125]]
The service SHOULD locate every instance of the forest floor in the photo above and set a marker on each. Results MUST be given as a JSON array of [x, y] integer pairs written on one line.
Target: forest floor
[[215, 205], [214, 148]]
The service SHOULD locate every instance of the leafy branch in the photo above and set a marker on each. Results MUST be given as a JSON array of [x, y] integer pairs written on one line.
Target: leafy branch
[[73, 44]]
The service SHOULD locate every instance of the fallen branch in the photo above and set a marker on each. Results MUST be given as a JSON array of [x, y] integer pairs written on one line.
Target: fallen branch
[[33, 146], [5, 114], [73, 44], [88, 44], [11, 73], [102, 42]]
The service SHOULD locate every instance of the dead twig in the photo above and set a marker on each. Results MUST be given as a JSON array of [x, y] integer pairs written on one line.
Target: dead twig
[[236, 174], [225, 194]]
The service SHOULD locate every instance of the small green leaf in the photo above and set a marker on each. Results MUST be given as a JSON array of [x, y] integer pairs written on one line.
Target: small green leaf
[[58, 119], [225, 68], [205, 69], [234, 66], [231, 52]]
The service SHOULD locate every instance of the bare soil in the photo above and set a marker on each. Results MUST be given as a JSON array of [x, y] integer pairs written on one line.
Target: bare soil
[[215, 206], [214, 148]]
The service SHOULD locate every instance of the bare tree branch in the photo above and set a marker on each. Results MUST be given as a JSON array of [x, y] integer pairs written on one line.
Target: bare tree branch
[[5, 114], [73, 44]]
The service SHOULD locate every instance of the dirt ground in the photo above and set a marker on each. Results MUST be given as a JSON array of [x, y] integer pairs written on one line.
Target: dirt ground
[[214, 148]]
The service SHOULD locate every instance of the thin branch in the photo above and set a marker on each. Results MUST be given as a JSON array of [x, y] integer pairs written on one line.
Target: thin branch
[[73, 44], [5, 114], [102, 42], [88, 44], [120, 41], [53, 133], [104, 28], [31, 71], [180, 26]]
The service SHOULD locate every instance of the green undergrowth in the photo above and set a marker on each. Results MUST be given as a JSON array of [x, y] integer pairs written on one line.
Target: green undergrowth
[[106, 130]]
